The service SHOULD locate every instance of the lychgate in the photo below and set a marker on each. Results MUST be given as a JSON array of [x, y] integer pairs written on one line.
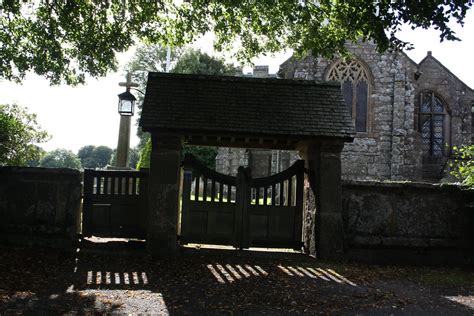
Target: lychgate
[[250, 113]]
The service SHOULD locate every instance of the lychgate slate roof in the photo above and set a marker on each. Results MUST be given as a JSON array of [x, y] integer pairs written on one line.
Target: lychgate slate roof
[[230, 105]]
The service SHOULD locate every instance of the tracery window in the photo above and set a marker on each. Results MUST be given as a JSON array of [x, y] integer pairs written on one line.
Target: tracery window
[[354, 79], [434, 125]]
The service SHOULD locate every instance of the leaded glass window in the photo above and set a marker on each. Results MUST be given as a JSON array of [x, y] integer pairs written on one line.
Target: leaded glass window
[[434, 125], [354, 79]]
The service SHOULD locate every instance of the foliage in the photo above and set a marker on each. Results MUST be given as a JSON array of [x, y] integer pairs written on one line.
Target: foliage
[[153, 58], [463, 166], [19, 134], [64, 40], [196, 62], [94, 157], [145, 155], [134, 156], [207, 155], [34, 162], [148, 58], [60, 158], [191, 61]]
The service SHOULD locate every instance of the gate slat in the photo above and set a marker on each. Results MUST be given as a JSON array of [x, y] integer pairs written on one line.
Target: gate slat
[[187, 185], [87, 207], [273, 194], [213, 191], [196, 187], [257, 196], [112, 185], [221, 192], [119, 185], [204, 189], [299, 205], [225, 193], [134, 186], [265, 195], [106, 185], [126, 184], [290, 191], [100, 185], [282, 189]]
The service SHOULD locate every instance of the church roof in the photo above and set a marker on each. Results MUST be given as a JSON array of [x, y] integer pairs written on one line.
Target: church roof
[[244, 106], [429, 56]]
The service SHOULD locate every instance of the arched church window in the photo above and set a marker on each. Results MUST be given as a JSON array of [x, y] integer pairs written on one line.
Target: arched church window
[[354, 79], [434, 125]]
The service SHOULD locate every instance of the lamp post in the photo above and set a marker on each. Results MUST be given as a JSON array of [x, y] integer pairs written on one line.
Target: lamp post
[[126, 107]]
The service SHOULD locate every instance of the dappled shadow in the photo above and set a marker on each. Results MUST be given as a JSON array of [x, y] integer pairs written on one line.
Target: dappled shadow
[[35, 280], [63, 303], [230, 273], [203, 282], [116, 279]]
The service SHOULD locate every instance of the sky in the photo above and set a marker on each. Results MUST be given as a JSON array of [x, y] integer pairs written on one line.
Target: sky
[[87, 115]]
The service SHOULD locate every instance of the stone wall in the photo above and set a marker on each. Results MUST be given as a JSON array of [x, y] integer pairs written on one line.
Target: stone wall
[[39, 206], [408, 222], [228, 159]]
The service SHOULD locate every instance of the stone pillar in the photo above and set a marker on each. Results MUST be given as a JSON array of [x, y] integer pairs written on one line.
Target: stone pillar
[[163, 193], [123, 142], [323, 162]]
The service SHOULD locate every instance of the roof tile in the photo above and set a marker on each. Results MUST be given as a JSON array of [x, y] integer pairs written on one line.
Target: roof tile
[[271, 107]]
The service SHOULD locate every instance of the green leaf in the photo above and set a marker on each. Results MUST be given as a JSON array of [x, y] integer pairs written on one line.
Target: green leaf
[[64, 41]]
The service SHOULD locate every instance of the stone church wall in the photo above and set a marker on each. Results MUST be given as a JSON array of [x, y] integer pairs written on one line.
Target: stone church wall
[[228, 160], [386, 150], [459, 99], [391, 148]]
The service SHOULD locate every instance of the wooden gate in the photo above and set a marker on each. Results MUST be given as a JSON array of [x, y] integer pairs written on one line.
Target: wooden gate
[[115, 203], [241, 211]]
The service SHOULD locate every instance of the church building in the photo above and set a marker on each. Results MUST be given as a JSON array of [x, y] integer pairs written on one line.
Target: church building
[[408, 116]]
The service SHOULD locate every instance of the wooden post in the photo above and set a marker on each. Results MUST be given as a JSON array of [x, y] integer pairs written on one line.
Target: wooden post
[[87, 204], [243, 201], [187, 183], [299, 203]]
